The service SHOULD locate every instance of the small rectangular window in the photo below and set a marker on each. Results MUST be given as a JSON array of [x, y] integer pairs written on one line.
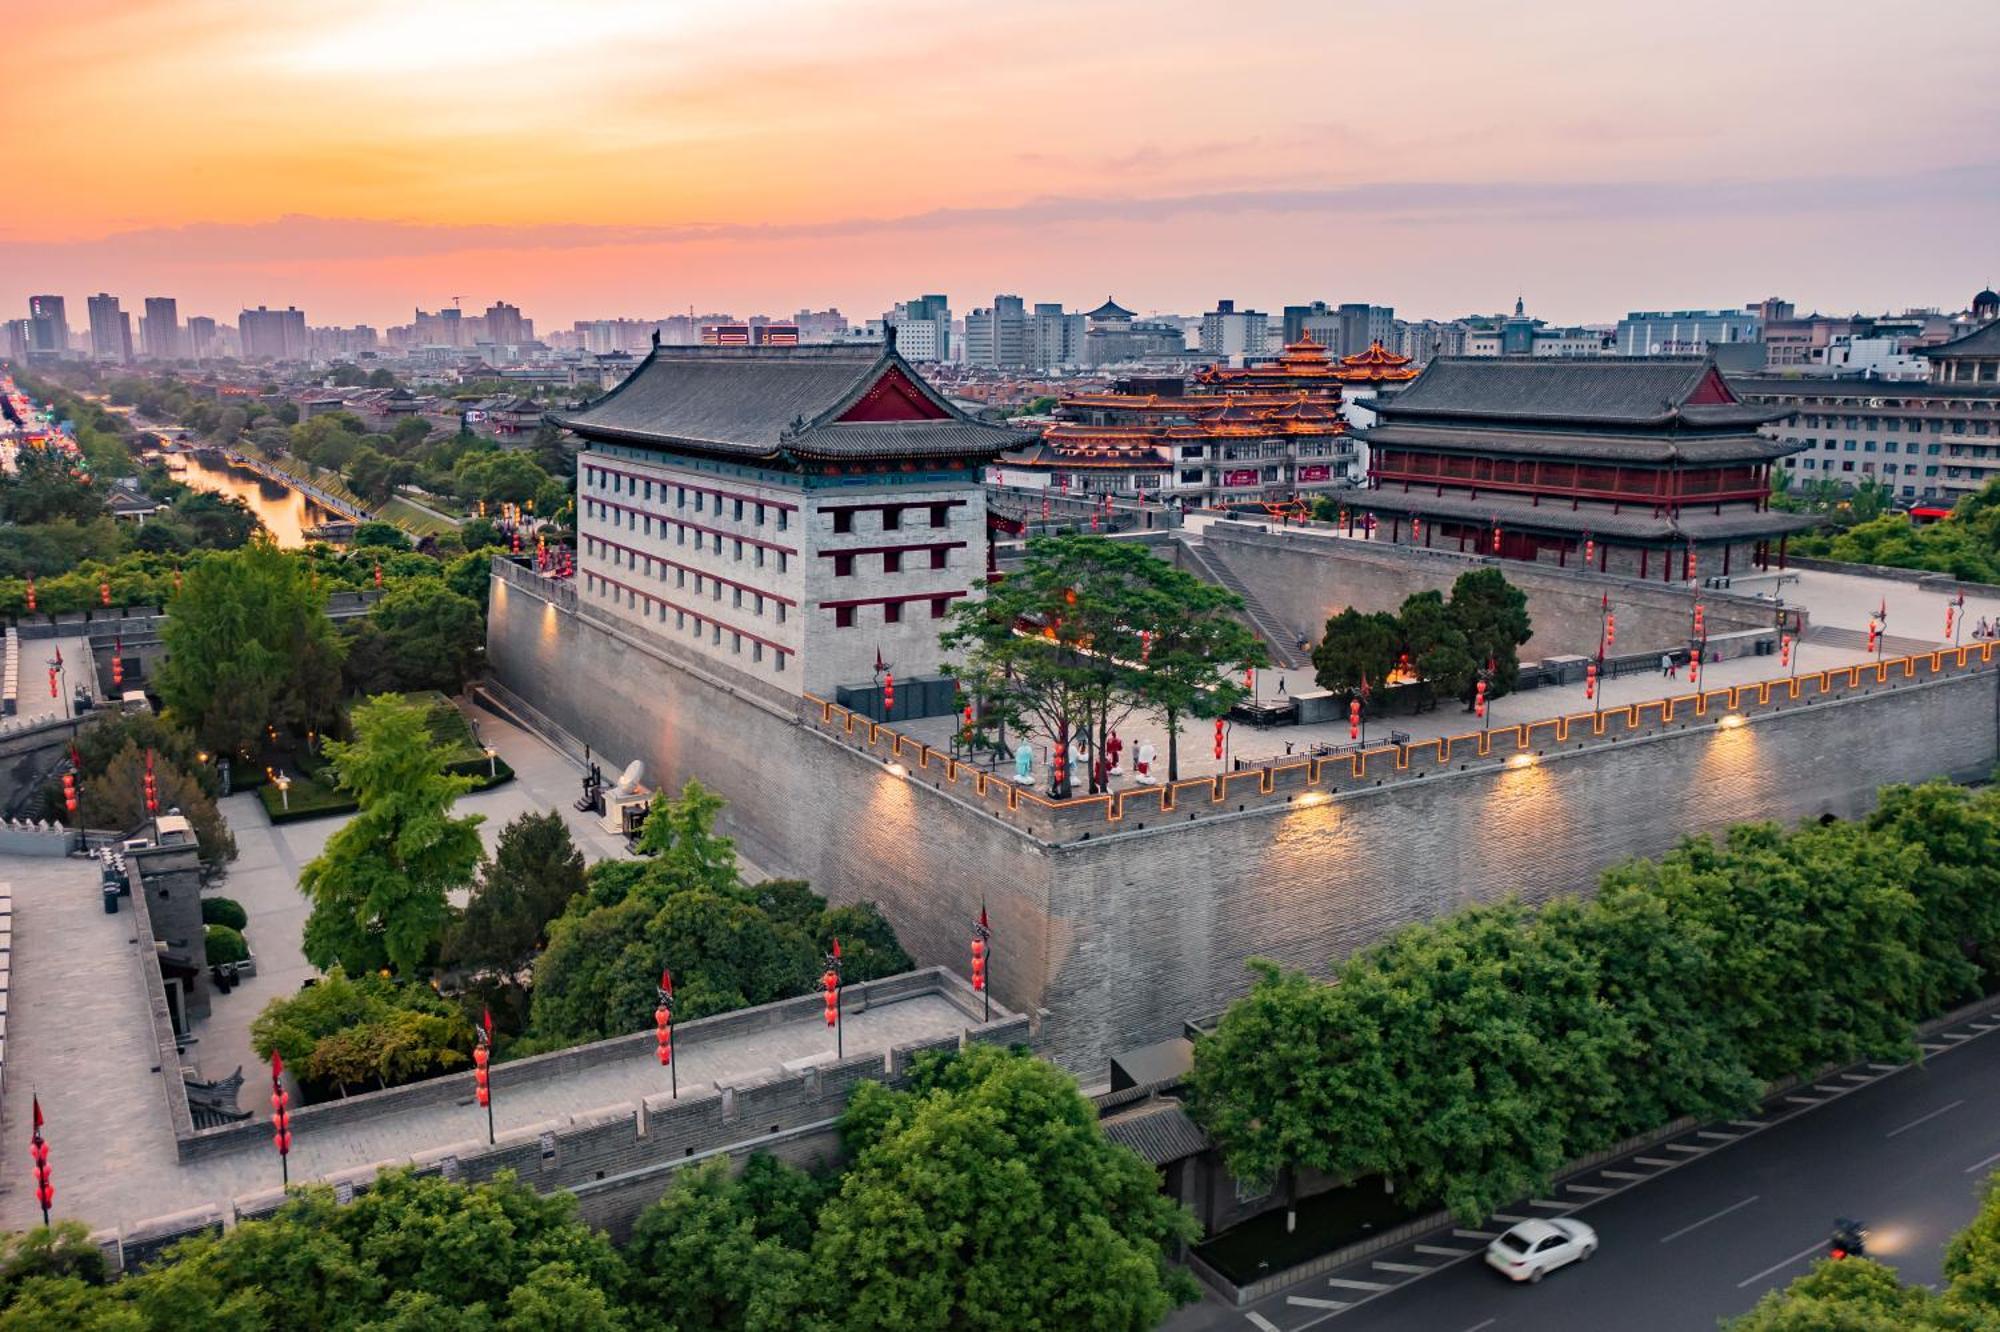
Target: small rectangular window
[[892, 612], [739, 599], [739, 550], [737, 513], [843, 617], [781, 612], [680, 497], [760, 515], [784, 516], [892, 561], [892, 517], [843, 521], [756, 652], [940, 514], [781, 661], [939, 557], [939, 605], [843, 566], [697, 501]]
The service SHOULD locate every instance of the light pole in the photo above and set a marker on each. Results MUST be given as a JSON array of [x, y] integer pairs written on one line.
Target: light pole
[[284, 791], [492, 767]]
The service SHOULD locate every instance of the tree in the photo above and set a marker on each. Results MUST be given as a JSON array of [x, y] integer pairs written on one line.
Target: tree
[[433, 635], [45, 488], [722, 1252], [1193, 654], [114, 796], [379, 889], [477, 534], [1357, 652], [535, 871], [248, 645], [1493, 615], [1437, 647], [498, 477], [356, 1032], [385, 536], [987, 1196]]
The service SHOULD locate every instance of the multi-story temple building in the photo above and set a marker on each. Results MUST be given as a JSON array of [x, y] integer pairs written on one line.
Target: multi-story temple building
[[799, 513], [1644, 466], [1236, 435]]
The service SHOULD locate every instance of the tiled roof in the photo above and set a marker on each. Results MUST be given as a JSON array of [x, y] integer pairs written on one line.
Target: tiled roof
[[1659, 448], [765, 401], [1158, 1130], [1694, 522], [1611, 390], [1982, 341]]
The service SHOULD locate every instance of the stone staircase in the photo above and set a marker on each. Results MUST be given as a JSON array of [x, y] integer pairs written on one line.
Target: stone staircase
[[1281, 639]]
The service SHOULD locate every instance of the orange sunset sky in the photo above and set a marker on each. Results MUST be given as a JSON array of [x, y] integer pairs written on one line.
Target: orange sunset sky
[[639, 157]]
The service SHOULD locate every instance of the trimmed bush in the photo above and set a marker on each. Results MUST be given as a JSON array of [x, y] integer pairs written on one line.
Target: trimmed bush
[[224, 911], [226, 945]]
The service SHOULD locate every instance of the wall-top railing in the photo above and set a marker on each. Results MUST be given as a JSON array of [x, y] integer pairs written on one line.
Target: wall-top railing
[[1303, 781]]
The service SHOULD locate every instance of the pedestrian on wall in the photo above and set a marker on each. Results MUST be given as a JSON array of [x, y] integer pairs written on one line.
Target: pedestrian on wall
[[1667, 665]]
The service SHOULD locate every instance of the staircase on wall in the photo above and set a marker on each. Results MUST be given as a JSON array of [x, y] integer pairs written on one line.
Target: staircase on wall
[[1282, 641]]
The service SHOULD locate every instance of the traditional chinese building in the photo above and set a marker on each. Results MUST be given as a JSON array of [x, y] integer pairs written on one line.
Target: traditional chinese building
[[1648, 467], [799, 513], [1244, 435]]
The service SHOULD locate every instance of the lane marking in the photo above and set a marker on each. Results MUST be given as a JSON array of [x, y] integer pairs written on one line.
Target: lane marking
[[1312, 1303], [1830, 1091], [1402, 1267], [1594, 1189], [1983, 1027], [1928, 1048], [1444, 1252], [1684, 1149], [1261, 1323], [1349, 1283], [1510, 1218], [1713, 1216], [1713, 1136], [1956, 1036], [1476, 1326], [1623, 1174], [1748, 1123], [1551, 1204], [1779, 1267], [1925, 1119], [1885, 1068], [1804, 1100], [1653, 1161], [1981, 1165], [1857, 1077], [1477, 1234]]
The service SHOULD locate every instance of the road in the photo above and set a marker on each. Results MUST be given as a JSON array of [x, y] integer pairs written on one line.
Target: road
[[1698, 1228]]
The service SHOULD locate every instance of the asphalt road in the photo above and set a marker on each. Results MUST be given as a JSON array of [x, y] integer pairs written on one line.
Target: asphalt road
[[1698, 1228]]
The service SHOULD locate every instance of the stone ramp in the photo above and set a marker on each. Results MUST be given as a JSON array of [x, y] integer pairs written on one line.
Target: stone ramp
[[1282, 641], [1856, 640]]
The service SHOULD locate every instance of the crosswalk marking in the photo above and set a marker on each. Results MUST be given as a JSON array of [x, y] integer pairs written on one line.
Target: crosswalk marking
[[1401, 1267], [1349, 1283], [1311, 1303]]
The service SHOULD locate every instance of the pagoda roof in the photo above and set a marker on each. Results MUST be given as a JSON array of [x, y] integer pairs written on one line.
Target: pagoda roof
[[1695, 522], [1663, 450], [1982, 341], [1655, 392], [1378, 362], [1110, 310], [819, 403]]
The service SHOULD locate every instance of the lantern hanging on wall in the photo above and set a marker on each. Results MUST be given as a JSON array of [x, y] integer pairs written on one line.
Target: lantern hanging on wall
[[1354, 719], [1218, 738], [1784, 649], [281, 1117], [1590, 680], [1479, 700], [45, 1180]]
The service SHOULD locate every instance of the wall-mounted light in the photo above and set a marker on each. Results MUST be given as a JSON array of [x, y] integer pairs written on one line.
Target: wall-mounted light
[[895, 769], [1312, 799], [1521, 761], [1731, 721]]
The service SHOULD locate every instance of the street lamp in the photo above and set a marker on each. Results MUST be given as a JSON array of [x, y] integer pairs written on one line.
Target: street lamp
[[284, 791], [492, 766]]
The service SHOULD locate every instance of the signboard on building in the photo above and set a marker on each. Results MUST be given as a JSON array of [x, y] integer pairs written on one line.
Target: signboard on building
[[1315, 472], [1243, 476]]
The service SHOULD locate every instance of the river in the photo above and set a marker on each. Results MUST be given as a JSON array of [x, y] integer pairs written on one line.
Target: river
[[285, 511]]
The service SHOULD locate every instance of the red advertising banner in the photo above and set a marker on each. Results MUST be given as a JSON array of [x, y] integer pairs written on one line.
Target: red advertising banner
[[1244, 477], [1315, 472]]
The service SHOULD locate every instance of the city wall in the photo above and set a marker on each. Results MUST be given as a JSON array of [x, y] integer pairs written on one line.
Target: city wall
[[1305, 576], [1129, 913], [617, 1159]]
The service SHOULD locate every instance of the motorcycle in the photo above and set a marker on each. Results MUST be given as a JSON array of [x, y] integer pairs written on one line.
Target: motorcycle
[[1849, 1240]]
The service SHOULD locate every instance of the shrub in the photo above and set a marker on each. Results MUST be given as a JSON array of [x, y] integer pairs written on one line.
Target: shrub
[[226, 945], [224, 911]]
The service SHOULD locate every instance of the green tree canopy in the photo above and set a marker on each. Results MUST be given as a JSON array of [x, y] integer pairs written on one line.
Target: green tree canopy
[[432, 636], [379, 889], [249, 645], [535, 871], [1357, 652]]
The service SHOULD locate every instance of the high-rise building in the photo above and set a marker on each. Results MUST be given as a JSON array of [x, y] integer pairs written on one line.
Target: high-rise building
[[923, 328], [1683, 332], [160, 330], [998, 337], [820, 325], [201, 339], [506, 327], [48, 328], [1055, 339], [273, 335], [18, 340], [110, 330], [1230, 334], [1362, 326]]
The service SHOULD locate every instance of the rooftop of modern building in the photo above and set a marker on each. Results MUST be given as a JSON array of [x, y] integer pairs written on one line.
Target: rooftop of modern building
[[1861, 388], [817, 403], [1678, 393]]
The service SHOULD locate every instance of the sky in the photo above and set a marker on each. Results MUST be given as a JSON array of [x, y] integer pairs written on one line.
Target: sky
[[646, 157]]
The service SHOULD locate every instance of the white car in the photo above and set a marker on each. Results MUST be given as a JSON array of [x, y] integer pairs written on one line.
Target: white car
[[1534, 1248]]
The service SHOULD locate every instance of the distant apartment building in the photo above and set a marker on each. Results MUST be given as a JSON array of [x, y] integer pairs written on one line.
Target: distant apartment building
[[1113, 335], [1683, 332], [110, 329], [1055, 339], [18, 339], [160, 329], [758, 332], [506, 327], [1521, 334], [1424, 340], [201, 340], [335, 341], [999, 336], [48, 328], [273, 335], [1233, 335], [923, 328], [820, 325]]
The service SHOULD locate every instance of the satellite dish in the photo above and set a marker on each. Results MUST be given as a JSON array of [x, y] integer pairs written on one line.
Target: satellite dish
[[635, 772]]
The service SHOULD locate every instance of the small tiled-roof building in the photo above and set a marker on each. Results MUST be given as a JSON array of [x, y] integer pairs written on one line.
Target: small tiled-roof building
[[1644, 466], [799, 513]]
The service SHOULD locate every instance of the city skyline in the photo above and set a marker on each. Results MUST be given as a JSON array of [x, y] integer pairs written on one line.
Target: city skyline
[[1442, 158]]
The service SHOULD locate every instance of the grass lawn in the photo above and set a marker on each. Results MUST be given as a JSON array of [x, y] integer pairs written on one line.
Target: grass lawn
[[313, 794], [413, 519]]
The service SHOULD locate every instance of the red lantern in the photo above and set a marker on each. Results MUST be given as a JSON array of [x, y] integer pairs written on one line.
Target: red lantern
[[1354, 720], [1058, 766], [1694, 665], [281, 1115], [1416, 530], [1218, 739], [888, 693], [1873, 631], [104, 592], [378, 573], [1691, 564], [1590, 680], [1496, 538], [978, 963], [1784, 649], [118, 661], [1947, 620], [1610, 631], [1045, 508], [830, 985], [1479, 699], [52, 682], [38, 1147], [69, 791], [1589, 552], [31, 592], [1697, 621], [1250, 679], [480, 1080]]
